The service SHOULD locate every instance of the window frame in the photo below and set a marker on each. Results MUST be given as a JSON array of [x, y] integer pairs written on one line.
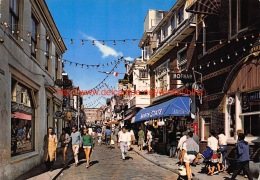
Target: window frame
[[14, 17]]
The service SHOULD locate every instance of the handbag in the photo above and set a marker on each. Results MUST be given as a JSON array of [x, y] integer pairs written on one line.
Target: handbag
[[207, 154]]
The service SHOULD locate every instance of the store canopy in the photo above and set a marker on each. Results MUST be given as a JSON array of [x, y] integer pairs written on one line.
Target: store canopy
[[129, 117], [19, 115], [179, 106]]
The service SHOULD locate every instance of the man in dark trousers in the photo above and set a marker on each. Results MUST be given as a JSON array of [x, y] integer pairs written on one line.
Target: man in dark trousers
[[242, 157]]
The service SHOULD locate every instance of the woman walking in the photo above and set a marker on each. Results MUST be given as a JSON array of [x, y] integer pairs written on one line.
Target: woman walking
[[64, 139], [87, 145]]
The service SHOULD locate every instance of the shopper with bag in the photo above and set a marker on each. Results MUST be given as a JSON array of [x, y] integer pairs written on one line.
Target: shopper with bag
[[190, 150]]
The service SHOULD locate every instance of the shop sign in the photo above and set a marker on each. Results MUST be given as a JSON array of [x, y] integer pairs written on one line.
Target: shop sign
[[64, 82], [254, 96], [181, 76], [123, 81], [58, 113]]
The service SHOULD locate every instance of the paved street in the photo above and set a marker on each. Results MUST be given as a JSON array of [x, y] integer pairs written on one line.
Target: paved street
[[107, 164]]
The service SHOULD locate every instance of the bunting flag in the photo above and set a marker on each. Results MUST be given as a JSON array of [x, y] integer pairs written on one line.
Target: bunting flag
[[115, 74]]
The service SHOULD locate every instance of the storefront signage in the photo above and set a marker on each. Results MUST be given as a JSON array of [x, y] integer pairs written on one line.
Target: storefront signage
[[152, 113], [123, 81], [254, 96], [64, 82], [181, 76]]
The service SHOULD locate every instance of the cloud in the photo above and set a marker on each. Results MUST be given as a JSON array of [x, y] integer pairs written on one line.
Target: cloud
[[104, 49], [129, 58]]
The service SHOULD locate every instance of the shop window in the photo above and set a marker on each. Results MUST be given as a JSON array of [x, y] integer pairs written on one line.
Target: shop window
[[252, 125], [239, 15], [22, 119], [14, 17]]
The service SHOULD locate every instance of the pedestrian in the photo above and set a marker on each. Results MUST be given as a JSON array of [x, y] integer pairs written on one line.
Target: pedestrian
[[99, 135], [115, 133], [87, 145], [197, 140], [123, 138], [222, 141], [50, 147], [213, 144], [132, 136], [129, 137], [108, 133], [190, 150], [180, 144], [76, 143], [140, 139], [64, 140], [172, 143], [243, 157], [149, 141]]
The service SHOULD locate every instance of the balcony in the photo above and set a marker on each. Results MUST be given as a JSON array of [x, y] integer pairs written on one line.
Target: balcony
[[203, 7], [178, 34]]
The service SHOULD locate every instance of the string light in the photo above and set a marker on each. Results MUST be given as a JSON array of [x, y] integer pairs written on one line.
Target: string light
[[200, 67], [221, 60], [114, 42], [134, 40], [28, 34], [237, 39], [208, 64], [194, 44], [177, 44], [214, 63], [38, 35], [244, 49], [103, 42], [253, 36], [203, 44], [17, 32], [82, 42], [228, 57], [236, 53], [228, 41], [186, 45], [220, 42], [71, 41], [124, 41], [244, 37], [93, 43]]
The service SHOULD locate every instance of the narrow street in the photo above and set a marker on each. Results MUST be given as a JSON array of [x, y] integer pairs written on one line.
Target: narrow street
[[106, 163]]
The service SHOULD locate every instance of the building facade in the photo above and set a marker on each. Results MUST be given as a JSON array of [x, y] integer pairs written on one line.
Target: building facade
[[31, 50]]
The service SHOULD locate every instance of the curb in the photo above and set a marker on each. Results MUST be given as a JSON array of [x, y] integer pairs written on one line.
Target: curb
[[160, 165]]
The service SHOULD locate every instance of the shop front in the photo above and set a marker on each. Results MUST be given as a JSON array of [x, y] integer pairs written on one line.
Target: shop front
[[164, 118]]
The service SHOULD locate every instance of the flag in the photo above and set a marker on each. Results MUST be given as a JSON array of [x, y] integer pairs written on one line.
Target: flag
[[115, 74]]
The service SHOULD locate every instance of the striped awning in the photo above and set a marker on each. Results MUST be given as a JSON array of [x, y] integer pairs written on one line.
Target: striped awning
[[203, 6]]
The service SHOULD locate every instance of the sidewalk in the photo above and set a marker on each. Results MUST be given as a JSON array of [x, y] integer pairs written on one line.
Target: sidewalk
[[40, 173], [171, 165]]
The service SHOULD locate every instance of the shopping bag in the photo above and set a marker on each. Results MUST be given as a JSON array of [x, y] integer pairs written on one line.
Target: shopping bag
[[112, 142]]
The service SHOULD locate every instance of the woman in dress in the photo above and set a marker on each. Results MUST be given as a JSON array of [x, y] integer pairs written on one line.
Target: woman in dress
[[87, 145]]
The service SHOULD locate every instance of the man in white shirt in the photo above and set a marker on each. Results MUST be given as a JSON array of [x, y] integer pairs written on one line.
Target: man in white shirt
[[212, 141], [123, 138]]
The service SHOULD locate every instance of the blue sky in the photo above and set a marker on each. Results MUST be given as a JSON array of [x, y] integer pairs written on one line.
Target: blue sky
[[100, 20]]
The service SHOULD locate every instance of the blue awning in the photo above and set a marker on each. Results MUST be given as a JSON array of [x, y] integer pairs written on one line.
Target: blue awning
[[179, 106]]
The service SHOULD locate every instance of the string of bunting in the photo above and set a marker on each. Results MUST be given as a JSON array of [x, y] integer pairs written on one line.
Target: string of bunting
[[103, 41]]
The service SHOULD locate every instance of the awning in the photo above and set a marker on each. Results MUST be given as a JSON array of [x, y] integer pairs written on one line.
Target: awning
[[19, 115], [129, 117], [179, 106]]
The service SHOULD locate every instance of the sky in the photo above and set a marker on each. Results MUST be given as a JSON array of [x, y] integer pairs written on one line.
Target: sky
[[106, 20]]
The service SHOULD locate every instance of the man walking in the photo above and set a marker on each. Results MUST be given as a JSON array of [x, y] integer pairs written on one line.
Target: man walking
[[50, 147], [108, 133], [123, 138], [242, 157], [76, 142]]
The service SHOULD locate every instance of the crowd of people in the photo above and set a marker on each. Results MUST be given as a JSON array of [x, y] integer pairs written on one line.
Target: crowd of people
[[184, 146]]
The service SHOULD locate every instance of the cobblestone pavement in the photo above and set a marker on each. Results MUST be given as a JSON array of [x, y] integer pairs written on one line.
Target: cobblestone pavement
[[107, 164]]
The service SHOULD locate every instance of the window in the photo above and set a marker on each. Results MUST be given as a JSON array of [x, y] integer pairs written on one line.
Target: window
[[14, 16], [22, 119], [206, 127], [47, 54], [180, 15], [165, 32], [143, 73], [252, 125], [34, 36], [57, 67], [173, 22], [239, 16], [162, 78], [182, 59]]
